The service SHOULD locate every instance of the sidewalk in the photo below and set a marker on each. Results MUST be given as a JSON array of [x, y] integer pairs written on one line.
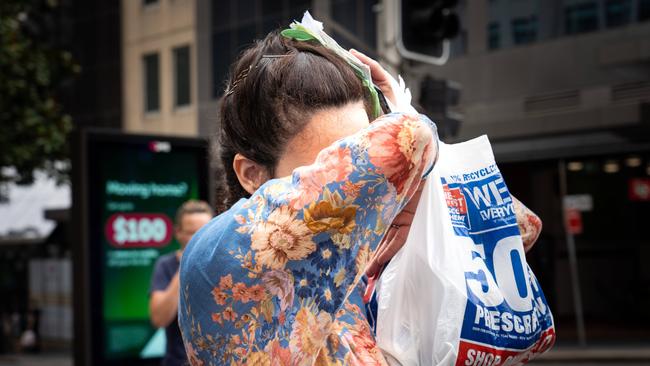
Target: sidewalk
[[602, 356], [640, 354], [36, 360]]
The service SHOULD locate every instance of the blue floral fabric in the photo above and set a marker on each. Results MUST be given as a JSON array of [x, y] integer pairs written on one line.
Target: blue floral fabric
[[275, 280]]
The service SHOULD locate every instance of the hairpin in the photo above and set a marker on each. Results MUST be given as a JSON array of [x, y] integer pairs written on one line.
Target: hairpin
[[274, 56], [242, 75]]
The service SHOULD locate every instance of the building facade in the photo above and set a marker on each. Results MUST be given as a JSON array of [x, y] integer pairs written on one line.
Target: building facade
[[159, 67], [176, 53]]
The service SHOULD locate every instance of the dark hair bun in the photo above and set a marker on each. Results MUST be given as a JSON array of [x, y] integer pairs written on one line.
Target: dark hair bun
[[275, 87]]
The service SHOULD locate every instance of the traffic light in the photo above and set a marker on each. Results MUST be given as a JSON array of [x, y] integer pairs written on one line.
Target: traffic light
[[436, 96], [426, 28]]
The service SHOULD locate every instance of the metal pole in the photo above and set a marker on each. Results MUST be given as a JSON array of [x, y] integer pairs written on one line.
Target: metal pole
[[573, 260]]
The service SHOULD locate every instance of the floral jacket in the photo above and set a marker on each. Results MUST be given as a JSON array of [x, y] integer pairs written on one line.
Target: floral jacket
[[275, 280]]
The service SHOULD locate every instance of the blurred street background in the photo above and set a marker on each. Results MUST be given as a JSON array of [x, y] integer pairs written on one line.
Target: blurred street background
[[561, 87]]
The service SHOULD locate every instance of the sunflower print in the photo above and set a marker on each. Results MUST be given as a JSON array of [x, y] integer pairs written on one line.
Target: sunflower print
[[275, 280]]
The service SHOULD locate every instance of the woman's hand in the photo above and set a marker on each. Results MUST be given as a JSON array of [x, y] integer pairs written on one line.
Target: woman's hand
[[396, 235], [380, 76], [397, 95]]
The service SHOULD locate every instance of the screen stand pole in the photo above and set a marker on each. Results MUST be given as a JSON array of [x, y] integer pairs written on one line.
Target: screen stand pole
[[573, 260]]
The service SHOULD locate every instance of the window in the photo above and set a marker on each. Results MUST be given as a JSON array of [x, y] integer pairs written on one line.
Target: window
[[493, 36], [237, 23], [459, 44], [151, 64], [617, 12], [222, 56], [644, 10], [524, 30], [359, 19], [182, 76], [581, 18]]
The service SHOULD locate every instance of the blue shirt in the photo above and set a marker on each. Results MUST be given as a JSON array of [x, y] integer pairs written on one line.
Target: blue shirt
[[275, 280], [164, 270]]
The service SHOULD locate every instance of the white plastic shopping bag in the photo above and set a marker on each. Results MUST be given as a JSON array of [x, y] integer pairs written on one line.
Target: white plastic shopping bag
[[460, 291]]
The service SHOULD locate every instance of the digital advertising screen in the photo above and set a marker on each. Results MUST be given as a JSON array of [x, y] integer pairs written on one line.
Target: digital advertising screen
[[131, 187]]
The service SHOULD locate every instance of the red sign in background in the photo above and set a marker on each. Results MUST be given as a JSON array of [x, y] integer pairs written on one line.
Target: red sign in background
[[573, 221], [639, 189], [138, 230]]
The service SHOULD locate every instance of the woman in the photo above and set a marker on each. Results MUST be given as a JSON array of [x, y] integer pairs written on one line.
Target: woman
[[275, 279]]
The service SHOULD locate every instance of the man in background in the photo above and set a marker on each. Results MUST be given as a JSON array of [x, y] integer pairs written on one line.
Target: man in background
[[165, 290]]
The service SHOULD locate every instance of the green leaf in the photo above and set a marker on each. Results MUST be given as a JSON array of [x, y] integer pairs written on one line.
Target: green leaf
[[374, 98], [375, 102], [297, 34]]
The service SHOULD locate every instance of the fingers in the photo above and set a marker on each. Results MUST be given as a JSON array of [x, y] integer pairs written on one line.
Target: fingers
[[376, 70], [390, 234], [388, 249], [387, 239], [380, 76], [392, 243], [412, 205], [404, 218], [373, 268]]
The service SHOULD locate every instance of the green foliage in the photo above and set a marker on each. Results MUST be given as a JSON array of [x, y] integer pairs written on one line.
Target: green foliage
[[33, 126], [297, 34]]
